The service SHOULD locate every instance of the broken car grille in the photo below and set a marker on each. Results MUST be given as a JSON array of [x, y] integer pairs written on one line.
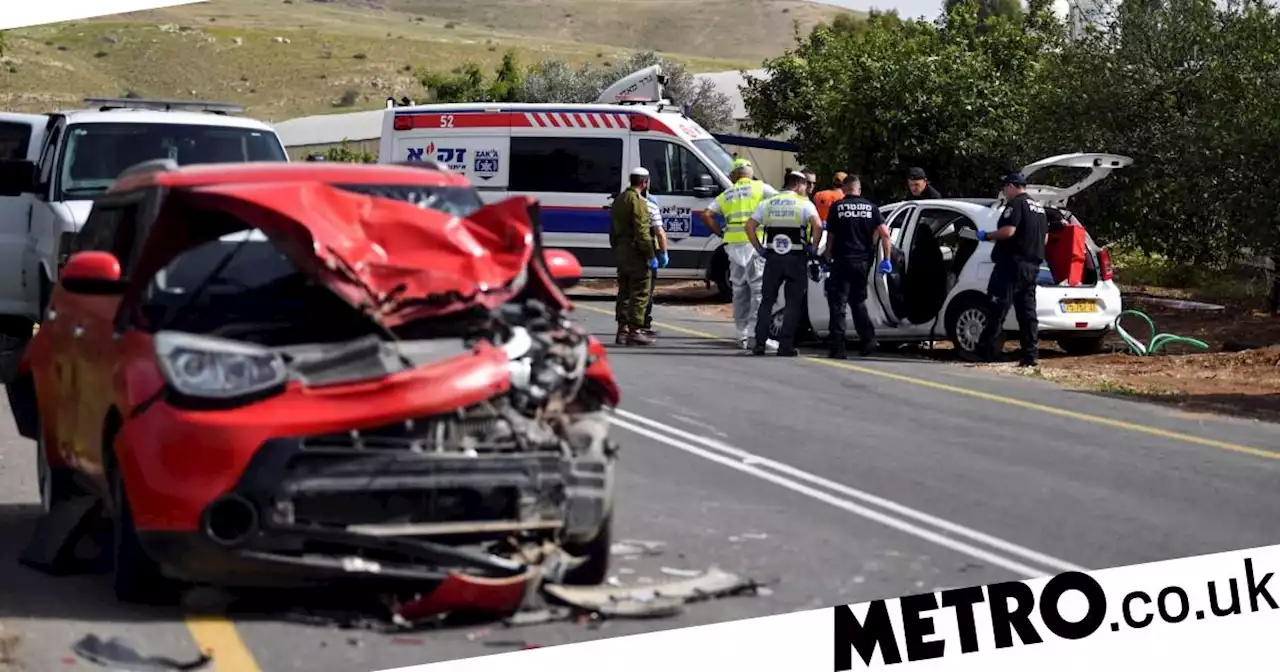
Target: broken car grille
[[477, 429]]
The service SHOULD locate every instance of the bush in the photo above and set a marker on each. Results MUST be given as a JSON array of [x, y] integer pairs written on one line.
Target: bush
[[343, 153]]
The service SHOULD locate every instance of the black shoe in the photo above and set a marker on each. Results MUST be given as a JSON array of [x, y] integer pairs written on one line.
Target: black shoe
[[790, 352], [972, 357], [1028, 363], [869, 349], [837, 354], [757, 352]]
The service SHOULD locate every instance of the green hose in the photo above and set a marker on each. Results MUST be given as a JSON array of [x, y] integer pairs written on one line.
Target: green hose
[[1158, 341]]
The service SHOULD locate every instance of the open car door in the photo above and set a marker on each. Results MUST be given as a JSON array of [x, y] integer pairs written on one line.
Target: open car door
[[889, 290], [1100, 167]]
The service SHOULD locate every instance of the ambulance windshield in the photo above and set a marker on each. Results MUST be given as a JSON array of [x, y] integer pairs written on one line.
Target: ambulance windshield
[[715, 152]]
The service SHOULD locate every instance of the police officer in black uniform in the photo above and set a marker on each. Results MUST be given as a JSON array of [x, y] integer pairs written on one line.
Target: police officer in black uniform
[[1018, 254], [789, 223], [853, 225]]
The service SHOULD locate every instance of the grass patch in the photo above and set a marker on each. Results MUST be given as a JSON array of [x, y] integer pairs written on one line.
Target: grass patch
[[1112, 387]]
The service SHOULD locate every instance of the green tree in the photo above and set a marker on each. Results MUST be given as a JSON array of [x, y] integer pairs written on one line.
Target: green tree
[[1008, 9], [468, 83], [1186, 88], [896, 93], [554, 81]]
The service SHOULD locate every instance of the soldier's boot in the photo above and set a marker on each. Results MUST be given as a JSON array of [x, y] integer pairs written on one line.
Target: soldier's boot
[[637, 337], [624, 332]]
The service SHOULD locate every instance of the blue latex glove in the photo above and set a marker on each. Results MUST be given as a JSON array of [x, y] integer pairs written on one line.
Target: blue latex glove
[[653, 264], [663, 259], [760, 253], [982, 235], [886, 266]]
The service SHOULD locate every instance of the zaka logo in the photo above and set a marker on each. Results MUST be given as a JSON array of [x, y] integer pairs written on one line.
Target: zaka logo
[[452, 157], [415, 153], [487, 164]]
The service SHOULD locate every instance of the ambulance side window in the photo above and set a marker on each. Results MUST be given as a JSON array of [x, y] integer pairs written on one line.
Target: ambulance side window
[[566, 165], [673, 169]]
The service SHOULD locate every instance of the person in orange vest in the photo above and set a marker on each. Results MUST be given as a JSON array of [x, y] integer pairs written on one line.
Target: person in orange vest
[[825, 198]]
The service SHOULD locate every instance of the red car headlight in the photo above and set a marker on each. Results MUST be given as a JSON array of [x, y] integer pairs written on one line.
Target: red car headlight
[[215, 368]]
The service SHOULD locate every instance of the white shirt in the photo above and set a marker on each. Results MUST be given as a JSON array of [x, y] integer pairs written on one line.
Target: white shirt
[[655, 213], [808, 211], [769, 192]]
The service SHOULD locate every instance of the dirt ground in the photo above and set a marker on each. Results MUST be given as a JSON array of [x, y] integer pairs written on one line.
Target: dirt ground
[[1238, 375]]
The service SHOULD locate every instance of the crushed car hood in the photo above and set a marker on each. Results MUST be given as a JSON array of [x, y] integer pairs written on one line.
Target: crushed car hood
[[392, 259]]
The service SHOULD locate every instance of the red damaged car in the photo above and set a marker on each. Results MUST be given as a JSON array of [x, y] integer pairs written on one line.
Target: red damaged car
[[284, 374]]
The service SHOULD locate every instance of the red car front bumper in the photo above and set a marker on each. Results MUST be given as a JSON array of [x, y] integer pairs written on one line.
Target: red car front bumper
[[294, 486]]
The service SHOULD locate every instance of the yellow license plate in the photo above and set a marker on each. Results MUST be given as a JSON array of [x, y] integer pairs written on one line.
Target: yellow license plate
[[1080, 306]]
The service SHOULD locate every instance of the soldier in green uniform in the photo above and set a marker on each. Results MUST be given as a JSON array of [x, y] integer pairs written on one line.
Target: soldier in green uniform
[[633, 252]]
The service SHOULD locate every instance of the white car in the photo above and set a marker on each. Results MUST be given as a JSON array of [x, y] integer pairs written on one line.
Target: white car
[[938, 286]]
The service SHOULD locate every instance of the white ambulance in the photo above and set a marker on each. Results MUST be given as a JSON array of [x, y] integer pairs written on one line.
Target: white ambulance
[[574, 158]]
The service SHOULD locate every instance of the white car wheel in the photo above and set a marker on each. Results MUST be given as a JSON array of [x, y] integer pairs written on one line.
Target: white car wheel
[[969, 325]]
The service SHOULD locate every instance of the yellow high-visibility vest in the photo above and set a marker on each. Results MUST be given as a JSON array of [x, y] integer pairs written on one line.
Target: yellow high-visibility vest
[[784, 217], [737, 203]]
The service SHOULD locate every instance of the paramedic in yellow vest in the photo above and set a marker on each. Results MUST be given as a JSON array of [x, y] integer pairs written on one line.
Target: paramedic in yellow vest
[[746, 268], [781, 230]]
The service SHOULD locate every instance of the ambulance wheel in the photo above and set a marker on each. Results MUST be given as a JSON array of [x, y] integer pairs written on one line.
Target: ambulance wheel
[[720, 275], [595, 570]]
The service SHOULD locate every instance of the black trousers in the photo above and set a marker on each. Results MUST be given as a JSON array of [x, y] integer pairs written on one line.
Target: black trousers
[[791, 270], [847, 285], [653, 289], [1012, 284]]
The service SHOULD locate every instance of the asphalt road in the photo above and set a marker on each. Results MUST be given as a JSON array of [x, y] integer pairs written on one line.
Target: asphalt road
[[845, 482]]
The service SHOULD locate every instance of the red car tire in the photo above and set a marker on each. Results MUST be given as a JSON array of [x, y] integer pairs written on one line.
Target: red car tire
[[136, 578], [595, 570]]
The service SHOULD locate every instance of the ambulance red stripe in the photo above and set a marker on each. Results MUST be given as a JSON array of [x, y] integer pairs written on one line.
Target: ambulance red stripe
[[450, 120]]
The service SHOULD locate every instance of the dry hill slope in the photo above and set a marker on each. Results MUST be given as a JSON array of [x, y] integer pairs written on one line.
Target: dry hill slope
[[285, 58], [735, 29]]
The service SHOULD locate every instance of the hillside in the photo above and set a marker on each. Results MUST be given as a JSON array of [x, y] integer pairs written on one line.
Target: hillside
[[286, 58]]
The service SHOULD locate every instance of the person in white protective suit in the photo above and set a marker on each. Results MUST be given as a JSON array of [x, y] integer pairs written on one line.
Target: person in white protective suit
[[746, 268]]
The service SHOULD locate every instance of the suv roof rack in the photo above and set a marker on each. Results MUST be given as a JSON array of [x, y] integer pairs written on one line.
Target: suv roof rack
[[152, 166], [108, 104]]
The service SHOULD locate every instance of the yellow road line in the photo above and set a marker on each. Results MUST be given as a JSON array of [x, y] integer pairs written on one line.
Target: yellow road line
[[987, 396], [217, 636]]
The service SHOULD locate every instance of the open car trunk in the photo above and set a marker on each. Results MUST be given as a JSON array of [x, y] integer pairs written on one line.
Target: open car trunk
[[1071, 256]]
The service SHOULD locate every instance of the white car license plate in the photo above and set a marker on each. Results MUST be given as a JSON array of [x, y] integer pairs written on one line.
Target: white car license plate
[[1079, 306]]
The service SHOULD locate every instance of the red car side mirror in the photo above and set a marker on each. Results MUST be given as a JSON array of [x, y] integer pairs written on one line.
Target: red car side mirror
[[92, 273], [564, 267]]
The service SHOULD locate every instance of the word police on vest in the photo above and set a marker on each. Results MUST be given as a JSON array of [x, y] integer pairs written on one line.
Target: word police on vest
[[855, 209]]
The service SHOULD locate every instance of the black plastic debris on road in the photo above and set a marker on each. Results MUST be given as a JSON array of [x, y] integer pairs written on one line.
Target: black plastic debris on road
[[119, 656]]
